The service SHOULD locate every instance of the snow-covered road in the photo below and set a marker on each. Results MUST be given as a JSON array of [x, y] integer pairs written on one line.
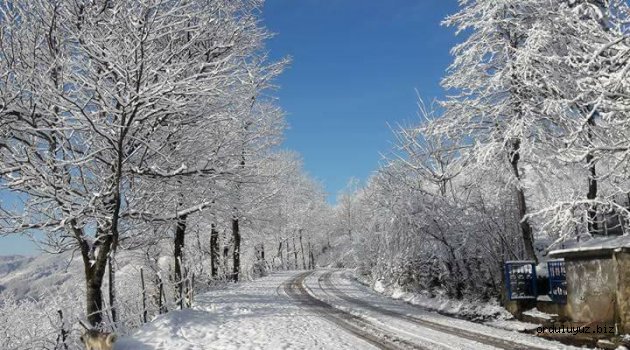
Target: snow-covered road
[[321, 309]]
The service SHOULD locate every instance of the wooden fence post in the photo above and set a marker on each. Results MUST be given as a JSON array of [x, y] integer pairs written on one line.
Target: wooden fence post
[[63, 334], [144, 296]]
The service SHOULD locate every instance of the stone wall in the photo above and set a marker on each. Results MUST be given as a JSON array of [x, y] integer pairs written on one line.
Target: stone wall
[[553, 308], [591, 290], [622, 262]]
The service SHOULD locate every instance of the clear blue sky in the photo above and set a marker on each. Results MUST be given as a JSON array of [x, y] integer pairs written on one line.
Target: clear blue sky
[[356, 67]]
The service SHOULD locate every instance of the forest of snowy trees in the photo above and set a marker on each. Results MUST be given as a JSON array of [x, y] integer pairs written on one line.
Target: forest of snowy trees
[[141, 138], [530, 147]]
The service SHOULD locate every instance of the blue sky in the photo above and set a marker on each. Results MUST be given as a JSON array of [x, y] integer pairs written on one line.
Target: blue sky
[[356, 67]]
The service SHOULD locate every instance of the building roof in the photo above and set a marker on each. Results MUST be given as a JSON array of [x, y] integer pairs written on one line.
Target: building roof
[[597, 247]]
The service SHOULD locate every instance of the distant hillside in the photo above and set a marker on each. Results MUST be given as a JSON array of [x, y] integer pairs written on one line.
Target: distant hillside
[[11, 263], [32, 277]]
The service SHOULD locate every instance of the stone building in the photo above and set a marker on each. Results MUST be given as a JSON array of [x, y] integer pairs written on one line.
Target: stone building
[[597, 282]]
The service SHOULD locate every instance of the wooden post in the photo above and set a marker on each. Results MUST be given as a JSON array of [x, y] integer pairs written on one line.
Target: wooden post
[[63, 334], [192, 289], [180, 289], [163, 308], [178, 254], [160, 296], [144, 297], [295, 255], [112, 287], [187, 285]]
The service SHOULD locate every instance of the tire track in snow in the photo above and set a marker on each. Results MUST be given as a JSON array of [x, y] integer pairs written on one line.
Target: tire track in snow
[[424, 336], [353, 324], [325, 279]]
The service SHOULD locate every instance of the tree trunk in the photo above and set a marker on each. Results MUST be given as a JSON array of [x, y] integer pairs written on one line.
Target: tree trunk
[[94, 268], [180, 232], [454, 270], [592, 181], [295, 256], [236, 233], [288, 254], [226, 260], [280, 254], [526, 229], [94, 299], [214, 251], [302, 250], [310, 257], [236, 254]]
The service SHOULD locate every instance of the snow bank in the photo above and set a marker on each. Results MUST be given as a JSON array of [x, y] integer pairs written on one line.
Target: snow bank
[[466, 309], [539, 314]]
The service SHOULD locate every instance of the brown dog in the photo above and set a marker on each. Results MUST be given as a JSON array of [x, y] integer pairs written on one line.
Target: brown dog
[[95, 340]]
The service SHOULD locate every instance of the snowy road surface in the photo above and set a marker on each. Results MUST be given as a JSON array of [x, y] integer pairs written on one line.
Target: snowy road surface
[[322, 309]]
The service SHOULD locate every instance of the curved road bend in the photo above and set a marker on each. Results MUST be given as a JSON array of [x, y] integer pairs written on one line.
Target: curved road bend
[[355, 325], [325, 282], [380, 335]]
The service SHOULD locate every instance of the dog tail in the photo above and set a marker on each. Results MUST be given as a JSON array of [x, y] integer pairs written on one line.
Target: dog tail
[[111, 338]]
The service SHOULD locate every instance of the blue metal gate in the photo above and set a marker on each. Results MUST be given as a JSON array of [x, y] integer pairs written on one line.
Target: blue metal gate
[[557, 281], [520, 280]]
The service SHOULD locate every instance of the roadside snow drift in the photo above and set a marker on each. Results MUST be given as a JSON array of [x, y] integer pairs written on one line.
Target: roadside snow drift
[[255, 315]]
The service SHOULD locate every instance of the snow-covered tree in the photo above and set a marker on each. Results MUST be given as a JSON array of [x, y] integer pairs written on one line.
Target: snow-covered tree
[[493, 112], [574, 46], [96, 95]]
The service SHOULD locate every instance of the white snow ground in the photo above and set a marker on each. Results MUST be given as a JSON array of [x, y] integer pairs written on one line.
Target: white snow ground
[[253, 315], [262, 315]]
